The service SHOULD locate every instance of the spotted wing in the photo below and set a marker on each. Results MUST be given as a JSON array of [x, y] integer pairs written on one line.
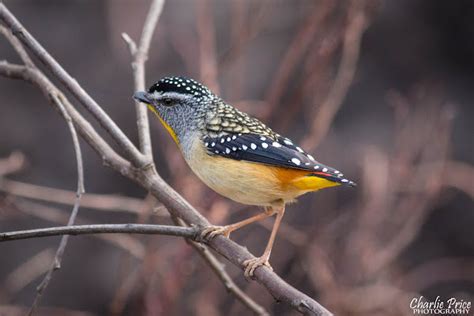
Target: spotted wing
[[280, 152]]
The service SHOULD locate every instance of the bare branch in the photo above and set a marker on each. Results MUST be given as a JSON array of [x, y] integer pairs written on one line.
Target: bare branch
[[222, 274], [56, 264], [145, 229], [73, 86], [140, 56]]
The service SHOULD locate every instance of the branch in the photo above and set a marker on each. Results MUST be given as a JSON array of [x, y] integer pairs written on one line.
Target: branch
[[80, 191], [222, 274], [140, 56], [73, 86], [145, 229]]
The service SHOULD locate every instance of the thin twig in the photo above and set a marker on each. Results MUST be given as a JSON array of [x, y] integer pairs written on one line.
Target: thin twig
[[56, 264], [73, 86], [145, 229], [222, 274], [140, 56]]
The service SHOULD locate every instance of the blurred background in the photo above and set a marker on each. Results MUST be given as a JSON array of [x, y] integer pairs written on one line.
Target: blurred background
[[382, 90]]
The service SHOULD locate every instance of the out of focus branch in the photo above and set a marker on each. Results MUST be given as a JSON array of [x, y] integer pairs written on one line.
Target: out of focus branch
[[207, 45], [356, 25], [295, 51], [145, 229], [11, 164], [140, 56], [103, 202]]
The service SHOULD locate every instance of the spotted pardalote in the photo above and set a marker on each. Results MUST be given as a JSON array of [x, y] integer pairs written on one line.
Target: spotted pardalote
[[235, 154]]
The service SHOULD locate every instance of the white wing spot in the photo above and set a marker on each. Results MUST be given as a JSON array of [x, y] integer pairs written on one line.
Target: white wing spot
[[228, 139], [222, 140], [253, 146], [296, 161], [325, 169], [206, 144], [275, 144], [227, 151], [264, 145], [213, 144], [316, 167], [311, 157], [299, 149], [234, 137], [263, 138], [244, 147], [234, 148], [344, 180], [287, 141]]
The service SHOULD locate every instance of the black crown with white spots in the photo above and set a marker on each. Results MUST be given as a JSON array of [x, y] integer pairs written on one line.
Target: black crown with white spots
[[182, 85]]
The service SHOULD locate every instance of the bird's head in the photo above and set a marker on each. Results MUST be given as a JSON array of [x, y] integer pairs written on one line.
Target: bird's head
[[180, 103]]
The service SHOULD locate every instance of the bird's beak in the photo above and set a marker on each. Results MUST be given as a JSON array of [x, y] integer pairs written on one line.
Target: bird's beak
[[143, 96]]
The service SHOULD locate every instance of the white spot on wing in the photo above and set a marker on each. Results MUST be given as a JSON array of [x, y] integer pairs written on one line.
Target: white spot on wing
[[296, 161], [253, 146], [264, 145], [275, 144]]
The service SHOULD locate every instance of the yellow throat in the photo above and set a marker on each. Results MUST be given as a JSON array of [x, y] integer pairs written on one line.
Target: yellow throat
[[168, 128]]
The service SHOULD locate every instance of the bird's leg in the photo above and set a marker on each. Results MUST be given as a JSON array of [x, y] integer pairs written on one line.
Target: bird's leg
[[212, 231], [252, 264]]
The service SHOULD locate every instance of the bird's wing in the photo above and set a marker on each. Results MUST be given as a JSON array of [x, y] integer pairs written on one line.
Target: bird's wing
[[279, 152]]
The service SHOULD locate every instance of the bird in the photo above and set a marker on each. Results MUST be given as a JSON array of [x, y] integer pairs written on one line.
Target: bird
[[236, 155]]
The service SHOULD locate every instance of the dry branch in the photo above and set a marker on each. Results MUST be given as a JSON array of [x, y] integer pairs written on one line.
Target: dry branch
[[146, 229]]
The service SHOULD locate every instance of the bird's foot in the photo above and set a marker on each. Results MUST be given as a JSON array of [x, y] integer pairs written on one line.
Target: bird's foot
[[212, 231], [254, 263]]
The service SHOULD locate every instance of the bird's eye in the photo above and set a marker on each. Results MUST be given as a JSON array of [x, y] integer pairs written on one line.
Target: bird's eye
[[167, 101]]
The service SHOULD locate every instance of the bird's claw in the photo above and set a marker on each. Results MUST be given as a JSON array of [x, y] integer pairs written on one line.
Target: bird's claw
[[212, 231], [254, 263]]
